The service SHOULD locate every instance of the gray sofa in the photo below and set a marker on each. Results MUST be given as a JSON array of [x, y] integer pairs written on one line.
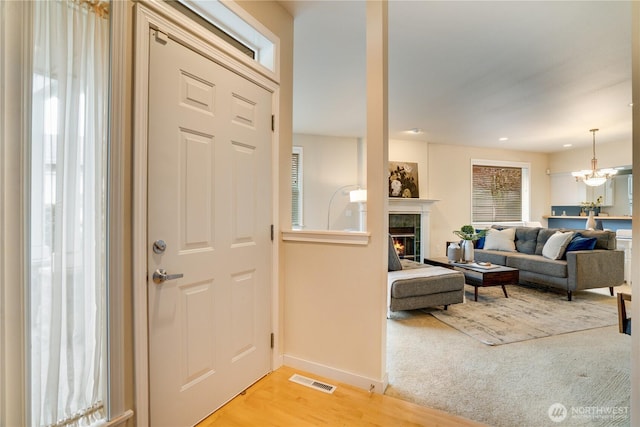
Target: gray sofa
[[576, 270]]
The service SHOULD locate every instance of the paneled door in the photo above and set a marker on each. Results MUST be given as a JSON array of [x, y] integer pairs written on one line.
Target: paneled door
[[209, 240]]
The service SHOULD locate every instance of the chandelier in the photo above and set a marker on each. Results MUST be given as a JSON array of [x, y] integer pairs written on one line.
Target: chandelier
[[594, 177]]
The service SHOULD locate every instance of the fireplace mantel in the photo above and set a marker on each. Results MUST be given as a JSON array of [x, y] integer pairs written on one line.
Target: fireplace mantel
[[400, 205], [410, 205]]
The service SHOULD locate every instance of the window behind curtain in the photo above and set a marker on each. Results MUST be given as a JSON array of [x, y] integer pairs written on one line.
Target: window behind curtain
[[296, 187], [67, 293], [499, 193]]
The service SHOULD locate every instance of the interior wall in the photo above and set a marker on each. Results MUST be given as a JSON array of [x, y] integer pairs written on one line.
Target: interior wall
[[609, 155], [335, 294], [449, 177], [330, 310], [329, 163]]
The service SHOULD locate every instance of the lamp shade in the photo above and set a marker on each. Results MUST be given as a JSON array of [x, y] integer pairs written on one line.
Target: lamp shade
[[359, 195]]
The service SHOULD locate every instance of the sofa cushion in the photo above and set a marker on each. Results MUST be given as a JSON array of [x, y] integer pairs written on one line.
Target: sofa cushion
[[543, 236], [424, 281], [494, 257], [479, 244], [526, 239], [538, 264], [500, 240], [580, 243], [556, 245], [394, 259], [605, 239]]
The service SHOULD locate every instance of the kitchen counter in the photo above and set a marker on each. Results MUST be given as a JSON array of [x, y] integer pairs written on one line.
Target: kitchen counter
[[578, 222], [624, 217]]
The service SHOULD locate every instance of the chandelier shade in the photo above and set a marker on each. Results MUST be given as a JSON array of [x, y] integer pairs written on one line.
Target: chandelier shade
[[594, 177]]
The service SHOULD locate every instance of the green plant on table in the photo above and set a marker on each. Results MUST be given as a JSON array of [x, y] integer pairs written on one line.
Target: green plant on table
[[467, 232]]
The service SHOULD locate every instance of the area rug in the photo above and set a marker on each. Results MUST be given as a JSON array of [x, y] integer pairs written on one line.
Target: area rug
[[528, 313]]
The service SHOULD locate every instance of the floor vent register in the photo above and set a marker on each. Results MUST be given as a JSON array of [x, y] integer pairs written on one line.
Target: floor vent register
[[309, 382]]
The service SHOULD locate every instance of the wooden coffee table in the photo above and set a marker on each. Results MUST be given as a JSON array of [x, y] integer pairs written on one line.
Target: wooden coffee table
[[477, 276]]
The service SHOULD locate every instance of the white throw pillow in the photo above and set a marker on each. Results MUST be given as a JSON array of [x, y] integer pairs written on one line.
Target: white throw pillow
[[556, 245], [501, 240]]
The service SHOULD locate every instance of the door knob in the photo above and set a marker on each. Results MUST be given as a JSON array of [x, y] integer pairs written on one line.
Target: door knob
[[161, 276]]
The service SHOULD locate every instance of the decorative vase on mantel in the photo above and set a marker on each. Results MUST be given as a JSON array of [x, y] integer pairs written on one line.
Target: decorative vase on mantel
[[467, 250], [591, 221]]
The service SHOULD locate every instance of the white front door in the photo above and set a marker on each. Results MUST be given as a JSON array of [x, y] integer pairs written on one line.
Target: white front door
[[209, 219]]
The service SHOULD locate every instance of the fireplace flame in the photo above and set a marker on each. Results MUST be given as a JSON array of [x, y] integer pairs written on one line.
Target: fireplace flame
[[399, 247]]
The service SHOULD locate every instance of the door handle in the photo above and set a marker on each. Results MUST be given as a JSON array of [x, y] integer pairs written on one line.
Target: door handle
[[161, 276]]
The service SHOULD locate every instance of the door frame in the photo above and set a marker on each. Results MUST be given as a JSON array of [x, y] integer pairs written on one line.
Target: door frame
[[156, 15], [15, 119]]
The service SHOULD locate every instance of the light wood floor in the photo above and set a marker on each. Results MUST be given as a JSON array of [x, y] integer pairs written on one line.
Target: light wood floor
[[276, 401]]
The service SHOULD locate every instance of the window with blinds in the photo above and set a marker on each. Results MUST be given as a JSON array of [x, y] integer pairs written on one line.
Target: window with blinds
[[296, 187], [498, 193]]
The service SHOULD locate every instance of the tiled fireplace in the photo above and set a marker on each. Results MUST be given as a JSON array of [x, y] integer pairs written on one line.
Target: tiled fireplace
[[406, 234], [409, 227]]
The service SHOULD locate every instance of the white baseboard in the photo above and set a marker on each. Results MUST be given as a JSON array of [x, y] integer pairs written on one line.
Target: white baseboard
[[379, 386]]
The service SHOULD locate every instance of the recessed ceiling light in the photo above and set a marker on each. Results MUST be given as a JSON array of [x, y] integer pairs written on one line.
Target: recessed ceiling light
[[415, 131], [504, 138], [567, 145]]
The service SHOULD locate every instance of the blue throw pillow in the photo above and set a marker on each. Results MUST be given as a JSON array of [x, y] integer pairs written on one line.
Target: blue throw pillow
[[579, 243], [479, 244]]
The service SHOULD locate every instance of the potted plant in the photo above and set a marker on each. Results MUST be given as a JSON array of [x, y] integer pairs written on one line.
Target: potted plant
[[592, 206], [468, 234]]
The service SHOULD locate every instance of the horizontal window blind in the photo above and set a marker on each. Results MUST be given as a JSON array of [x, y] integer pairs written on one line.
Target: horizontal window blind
[[496, 194]]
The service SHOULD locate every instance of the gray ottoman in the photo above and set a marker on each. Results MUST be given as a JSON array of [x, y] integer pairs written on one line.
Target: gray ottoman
[[412, 285], [419, 286]]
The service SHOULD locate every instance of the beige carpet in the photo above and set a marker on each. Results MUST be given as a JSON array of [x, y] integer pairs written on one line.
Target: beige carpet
[[435, 365], [528, 313]]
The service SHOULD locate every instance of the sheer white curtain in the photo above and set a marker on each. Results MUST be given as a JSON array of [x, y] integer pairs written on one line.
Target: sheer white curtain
[[68, 224]]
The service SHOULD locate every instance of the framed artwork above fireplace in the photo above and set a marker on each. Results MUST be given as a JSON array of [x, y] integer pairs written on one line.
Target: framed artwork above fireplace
[[403, 180]]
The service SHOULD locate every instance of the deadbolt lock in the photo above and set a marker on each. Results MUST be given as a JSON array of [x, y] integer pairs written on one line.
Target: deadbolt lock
[[159, 246]]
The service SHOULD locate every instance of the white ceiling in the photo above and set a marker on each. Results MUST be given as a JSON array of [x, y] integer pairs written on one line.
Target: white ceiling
[[540, 73]]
